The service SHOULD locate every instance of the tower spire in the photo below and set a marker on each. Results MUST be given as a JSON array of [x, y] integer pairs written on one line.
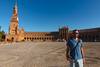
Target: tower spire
[[15, 9], [14, 20], [16, 4]]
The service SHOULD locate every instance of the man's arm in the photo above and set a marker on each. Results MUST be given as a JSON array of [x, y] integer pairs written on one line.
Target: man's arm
[[83, 54], [67, 53], [82, 51]]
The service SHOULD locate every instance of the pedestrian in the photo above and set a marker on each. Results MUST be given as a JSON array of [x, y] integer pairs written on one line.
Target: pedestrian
[[74, 51]]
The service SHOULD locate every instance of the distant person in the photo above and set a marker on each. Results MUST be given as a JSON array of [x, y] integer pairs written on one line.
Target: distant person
[[74, 51]]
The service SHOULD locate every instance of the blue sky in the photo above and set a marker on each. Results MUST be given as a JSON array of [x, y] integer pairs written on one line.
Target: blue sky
[[49, 15]]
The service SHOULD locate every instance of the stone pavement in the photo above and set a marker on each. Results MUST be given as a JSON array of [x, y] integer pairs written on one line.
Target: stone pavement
[[43, 54], [33, 54]]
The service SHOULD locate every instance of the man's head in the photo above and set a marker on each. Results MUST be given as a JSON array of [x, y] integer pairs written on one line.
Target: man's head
[[75, 33]]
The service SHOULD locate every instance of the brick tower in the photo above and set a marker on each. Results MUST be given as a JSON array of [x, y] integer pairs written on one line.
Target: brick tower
[[15, 34], [13, 28]]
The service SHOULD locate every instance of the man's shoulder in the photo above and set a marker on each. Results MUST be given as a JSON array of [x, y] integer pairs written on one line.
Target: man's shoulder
[[68, 41], [80, 40]]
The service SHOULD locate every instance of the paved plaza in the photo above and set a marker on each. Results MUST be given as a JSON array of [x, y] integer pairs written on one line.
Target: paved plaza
[[43, 54]]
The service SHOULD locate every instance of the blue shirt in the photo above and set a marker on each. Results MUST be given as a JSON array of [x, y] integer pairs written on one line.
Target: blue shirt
[[76, 52]]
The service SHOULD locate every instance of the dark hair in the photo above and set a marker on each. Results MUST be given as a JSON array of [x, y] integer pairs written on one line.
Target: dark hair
[[75, 31]]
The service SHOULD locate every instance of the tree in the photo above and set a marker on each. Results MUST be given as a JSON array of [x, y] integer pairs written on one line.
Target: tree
[[0, 28], [2, 35]]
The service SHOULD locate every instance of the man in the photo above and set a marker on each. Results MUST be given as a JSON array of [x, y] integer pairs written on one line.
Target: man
[[74, 51]]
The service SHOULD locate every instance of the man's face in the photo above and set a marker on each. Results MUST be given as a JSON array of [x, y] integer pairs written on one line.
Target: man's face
[[76, 34]]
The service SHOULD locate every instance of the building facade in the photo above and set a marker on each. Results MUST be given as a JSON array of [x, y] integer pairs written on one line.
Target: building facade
[[17, 34], [90, 35]]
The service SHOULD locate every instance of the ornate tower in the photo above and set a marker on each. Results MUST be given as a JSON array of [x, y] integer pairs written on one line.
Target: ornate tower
[[13, 29], [15, 34]]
